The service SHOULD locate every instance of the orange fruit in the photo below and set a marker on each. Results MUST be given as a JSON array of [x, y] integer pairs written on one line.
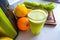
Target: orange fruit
[[20, 10], [23, 23]]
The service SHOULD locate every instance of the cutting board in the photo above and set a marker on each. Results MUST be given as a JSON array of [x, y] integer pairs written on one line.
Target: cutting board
[[51, 19]]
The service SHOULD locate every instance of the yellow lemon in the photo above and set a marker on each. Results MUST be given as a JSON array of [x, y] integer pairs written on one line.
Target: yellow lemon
[[5, 38], [20, 10]]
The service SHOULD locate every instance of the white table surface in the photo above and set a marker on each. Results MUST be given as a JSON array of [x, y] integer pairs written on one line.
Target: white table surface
[[48, 32]]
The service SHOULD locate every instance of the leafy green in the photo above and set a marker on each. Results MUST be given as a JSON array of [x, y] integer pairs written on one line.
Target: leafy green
[[49, 7], [34, 5], [42, 6]]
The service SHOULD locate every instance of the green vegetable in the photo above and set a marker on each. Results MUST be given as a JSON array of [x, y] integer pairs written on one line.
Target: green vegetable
[[49, 7], [32, 5], [42, 6], [28, 4], [6, 28]]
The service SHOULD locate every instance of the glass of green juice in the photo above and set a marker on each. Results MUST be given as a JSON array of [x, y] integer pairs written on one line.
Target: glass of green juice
[[37, 20]]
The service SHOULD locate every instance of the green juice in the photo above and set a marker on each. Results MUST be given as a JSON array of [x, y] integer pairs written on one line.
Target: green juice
[[37, 19]]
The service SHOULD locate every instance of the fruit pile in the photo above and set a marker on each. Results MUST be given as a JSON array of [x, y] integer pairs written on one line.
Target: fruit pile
[[22, 20]]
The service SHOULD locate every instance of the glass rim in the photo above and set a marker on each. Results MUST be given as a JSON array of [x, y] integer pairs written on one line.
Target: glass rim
[[39, 20]]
